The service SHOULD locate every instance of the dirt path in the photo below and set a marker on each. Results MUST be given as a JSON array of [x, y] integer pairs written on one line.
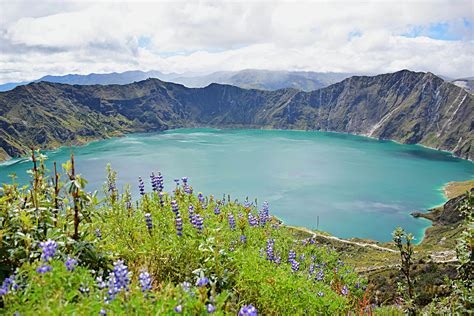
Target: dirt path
[[360, 244]]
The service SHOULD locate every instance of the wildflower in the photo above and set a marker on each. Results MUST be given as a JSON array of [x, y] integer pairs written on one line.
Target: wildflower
[[344, 290], [248, 204], [162, 203], [145, 281], [43, 269], [103, 312], [198, 222], [174, 206], [185, 180], [179, 309], [320, 275], [70, 264], [176, 181], [264, 215], [148, 221], [200, 197], [84, 290], [291, 255], [5, 288], [179, 225], [120, 273], [253, 221], [98, 234], [295, 265], [211, 308], [186, 286], [270, 245], [141, 186], [311, 269], [217, 211], [357, 285], [243, 239], [160, 182], [48, 249], [231, 221], [154, 182], [321, 294], [202, 281], [248, 310], [302, 257], [191, 214], [100, 283], [312, 241], [278, 260]]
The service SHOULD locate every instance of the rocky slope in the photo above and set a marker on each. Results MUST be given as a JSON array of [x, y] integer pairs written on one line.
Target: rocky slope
[[404, 106]]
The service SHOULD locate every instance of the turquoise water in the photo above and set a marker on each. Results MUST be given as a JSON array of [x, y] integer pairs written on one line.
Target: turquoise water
[[359, 187]]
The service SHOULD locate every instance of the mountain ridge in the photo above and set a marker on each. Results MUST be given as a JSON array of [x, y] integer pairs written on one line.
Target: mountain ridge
[[408, 107]]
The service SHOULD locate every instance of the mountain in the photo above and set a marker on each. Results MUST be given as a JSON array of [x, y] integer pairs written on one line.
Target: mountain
[[265, 79], [408, 107], [250, 79]]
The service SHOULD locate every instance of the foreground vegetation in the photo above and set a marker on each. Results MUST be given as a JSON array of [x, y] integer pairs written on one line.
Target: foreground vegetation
[[67, 251]]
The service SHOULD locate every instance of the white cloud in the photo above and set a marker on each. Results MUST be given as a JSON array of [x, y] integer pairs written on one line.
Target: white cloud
[[205, 36]]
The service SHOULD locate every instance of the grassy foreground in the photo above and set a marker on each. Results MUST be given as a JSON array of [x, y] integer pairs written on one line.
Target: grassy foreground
[[68, 252]]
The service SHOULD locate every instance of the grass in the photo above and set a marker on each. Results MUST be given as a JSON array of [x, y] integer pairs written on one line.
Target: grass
[[454, 189]]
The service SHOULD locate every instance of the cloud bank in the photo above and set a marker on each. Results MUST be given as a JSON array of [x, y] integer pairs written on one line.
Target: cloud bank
[[50, 37]]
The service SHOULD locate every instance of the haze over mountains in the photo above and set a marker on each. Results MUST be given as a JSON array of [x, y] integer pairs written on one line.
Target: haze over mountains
[[249, 78], [409, 107]]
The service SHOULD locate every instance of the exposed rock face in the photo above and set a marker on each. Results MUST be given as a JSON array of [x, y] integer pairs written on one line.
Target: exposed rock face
[[447, 214], [404, 106]]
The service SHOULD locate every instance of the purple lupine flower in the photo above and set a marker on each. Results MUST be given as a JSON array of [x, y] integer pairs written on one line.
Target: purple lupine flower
[[264, 215], [270, 254], [278, 260], [148, 221], [320, 275], [84, 289], [311, 269], [217, 211], [160, 195], [48, 249], [174, 206], [43, 269], [231, 221], [261, 252], [253, 221], [302, 257], [295, 265], [98, 234], [312, 241], [141, 186], [176, 181], [291, 255], [191, 214], [357, 285], [118, 280], [200, 197], [199, 221], [248, 310], [145, 281], [160, 182], [202, 281], [179, 225], [100, 283], [344, 290], [186, 286], [179, 309], [211, 308], [248, 204], [103, 312], [70, 264], [154, 182], [339, 262], [7, 283], [321, 294], [243, 239]]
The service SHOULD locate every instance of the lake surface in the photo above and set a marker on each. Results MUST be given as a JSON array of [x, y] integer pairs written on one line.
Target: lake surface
[[359, 187]]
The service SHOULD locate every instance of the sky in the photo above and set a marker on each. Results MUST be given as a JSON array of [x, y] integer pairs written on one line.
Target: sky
[[40, 38]]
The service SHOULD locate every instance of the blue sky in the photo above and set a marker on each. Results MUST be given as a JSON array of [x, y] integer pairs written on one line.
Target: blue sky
[[53, 37]]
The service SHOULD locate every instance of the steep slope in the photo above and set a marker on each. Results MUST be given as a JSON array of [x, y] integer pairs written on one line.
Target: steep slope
[[404, 106]]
